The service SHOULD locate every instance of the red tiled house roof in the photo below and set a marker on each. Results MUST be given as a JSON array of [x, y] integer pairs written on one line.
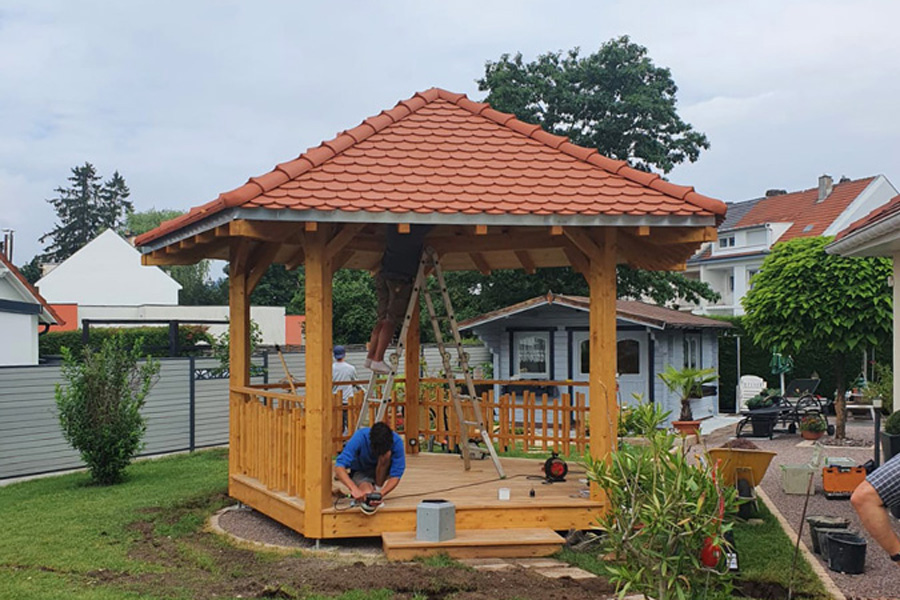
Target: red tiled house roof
[[801, 209], [48, 314], [441, 154]]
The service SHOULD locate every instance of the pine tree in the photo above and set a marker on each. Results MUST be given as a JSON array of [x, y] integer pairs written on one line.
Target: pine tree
[[84, 210]]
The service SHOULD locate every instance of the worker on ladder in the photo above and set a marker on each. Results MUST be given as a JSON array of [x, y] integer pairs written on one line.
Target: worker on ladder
[[393, 285]]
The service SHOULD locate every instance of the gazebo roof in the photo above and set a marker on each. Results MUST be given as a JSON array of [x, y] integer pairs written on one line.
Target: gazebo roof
[[441, 158]]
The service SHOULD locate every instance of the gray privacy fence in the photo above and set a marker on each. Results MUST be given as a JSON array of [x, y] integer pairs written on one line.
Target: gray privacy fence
[[186, 409]]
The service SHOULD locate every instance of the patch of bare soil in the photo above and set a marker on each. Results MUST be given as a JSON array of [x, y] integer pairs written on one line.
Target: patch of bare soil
[[201, 565]]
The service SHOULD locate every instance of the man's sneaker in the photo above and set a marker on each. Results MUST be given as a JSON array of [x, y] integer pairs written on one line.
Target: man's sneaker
[[380, 367], [367, 363]]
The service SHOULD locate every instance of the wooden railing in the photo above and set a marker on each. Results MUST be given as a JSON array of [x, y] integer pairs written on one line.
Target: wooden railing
[[270, 436], [519, 420], [271, 427]]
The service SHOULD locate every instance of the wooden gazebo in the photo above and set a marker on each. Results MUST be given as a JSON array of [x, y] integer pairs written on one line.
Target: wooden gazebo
[[501, 194]]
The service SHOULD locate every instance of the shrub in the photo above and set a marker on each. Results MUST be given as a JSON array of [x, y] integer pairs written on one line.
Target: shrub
[[665, 512], [99, 409], [761, 400], [643, 419], [892, 424], [882, 387]]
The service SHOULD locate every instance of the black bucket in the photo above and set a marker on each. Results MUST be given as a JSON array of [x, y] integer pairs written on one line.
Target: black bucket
[[822, 534], [895, 510], [815, 522], [846, 553]]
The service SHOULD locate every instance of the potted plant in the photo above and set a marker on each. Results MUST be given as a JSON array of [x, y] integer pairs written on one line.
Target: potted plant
[[890, 437], [688, 384], [812, 427], [762, 424]]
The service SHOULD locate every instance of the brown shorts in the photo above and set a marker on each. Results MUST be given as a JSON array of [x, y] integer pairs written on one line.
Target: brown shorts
[[393, 297]]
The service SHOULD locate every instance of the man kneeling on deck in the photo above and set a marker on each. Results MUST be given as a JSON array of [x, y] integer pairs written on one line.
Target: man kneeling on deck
[[372, 461]]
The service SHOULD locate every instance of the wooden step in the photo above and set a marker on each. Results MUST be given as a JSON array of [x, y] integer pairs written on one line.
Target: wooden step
[[475, 543]]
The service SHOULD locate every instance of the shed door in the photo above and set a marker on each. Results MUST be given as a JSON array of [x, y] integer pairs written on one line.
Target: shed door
[[631, 359]]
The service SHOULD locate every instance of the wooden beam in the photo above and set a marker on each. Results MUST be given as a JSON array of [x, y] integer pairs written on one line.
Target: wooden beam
[[481, 229], [480, 263], [341, 259], [582, 241], [579, 261], [239, 347], [494, 242], [222, 231], [639, 253], [643, 231], [603, 415], [260, 262], [295, 260], [343, 237], [527, 263], [311, 226], [682, 235], [556, 230], [411, 358], [403, 228], [318, 445], [263, 231]]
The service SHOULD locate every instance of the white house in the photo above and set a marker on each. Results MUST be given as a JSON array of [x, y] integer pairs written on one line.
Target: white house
[[108, 271], [22, 310], [752, 227], [105, 280], [546, 338]]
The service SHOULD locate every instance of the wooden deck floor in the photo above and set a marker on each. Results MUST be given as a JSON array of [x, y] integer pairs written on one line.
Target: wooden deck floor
[[474, 493]]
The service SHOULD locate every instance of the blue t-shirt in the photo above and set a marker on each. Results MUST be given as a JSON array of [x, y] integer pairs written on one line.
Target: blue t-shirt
[[357, 454]]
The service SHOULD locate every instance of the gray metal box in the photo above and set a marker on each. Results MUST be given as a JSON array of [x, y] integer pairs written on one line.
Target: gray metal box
[[435, 521]]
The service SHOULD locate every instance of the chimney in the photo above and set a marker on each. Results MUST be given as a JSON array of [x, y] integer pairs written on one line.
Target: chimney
[[6, 245], [825, 185], [771, 193]]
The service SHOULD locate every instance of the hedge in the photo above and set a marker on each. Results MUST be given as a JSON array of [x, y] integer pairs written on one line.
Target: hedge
[[156, 339]]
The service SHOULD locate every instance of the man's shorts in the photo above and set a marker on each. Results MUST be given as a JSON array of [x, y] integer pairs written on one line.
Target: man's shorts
[[359, 477], [393, 297], [886, 481]]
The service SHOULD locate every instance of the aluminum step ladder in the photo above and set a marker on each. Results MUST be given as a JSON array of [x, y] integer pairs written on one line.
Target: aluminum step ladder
[[440, 297]]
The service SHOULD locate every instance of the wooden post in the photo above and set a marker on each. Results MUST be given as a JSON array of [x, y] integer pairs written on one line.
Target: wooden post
[[603, 409], [318, 451], [411, 369], [239, 349]]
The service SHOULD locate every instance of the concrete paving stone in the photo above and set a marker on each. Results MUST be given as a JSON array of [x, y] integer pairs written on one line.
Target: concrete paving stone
[[571, 572], [480, 562], [500, 567], [539, 563]]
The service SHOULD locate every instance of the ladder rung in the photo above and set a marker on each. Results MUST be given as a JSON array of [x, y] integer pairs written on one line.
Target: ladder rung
[[472, 423]]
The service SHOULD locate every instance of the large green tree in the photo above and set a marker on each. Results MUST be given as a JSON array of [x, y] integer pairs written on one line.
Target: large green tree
[[617, 101], [804, 298], [84, 210]]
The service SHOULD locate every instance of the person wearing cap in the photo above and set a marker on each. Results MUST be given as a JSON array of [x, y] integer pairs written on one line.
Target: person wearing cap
[[342, 371]]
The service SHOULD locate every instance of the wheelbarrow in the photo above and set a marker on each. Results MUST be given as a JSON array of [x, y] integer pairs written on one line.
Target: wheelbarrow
[[743, 469]]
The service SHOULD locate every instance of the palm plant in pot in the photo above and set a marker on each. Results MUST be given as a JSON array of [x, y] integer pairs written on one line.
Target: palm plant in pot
[[688, 384]]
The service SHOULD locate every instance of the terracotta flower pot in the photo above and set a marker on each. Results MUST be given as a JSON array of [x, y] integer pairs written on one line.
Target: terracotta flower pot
[[687, 427], [811, 435]]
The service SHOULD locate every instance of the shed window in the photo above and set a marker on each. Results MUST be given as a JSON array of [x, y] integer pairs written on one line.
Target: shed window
[[692, 359], [531, 354], [628, 357]]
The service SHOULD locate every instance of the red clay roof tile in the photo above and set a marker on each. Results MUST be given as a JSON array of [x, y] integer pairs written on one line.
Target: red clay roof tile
[[879, 214], [802, 209], [441, 152]]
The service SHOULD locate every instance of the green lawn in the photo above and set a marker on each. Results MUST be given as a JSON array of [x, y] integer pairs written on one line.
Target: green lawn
[[65, 538]]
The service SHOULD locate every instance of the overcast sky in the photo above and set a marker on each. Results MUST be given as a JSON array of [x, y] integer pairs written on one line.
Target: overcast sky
[[187, 99]]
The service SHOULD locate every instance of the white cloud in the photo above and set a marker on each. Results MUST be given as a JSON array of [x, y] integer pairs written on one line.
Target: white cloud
[[189, 99]]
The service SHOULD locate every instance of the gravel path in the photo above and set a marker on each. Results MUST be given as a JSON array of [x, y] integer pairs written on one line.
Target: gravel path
[[882, 577]]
